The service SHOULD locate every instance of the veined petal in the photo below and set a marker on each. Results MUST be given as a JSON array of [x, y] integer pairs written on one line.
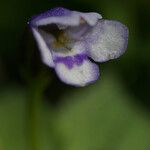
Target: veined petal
[[79, 74], [107, 40], [44, 50], [64, 17]]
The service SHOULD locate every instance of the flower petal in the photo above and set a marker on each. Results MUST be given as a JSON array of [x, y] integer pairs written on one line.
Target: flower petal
[[107, 40], [77, 32], [64, 17], [73, 67], [81, 73], [91, 17], [44, 50]]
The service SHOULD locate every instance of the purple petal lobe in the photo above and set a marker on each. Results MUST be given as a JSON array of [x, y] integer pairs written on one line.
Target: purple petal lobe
[[63, 16], [55, 12]]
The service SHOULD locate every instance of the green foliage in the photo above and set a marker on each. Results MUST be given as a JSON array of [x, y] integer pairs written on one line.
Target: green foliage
[[101, 116], [13, 119]]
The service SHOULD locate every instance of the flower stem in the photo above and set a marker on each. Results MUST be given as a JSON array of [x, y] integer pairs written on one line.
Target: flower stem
[[35, 110]]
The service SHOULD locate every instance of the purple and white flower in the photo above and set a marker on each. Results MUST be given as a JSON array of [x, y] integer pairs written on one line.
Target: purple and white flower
[[67, 39]]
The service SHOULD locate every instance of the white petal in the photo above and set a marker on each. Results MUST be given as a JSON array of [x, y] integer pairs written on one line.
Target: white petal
[[91, 17], [79, 75], [44, 50], [107, 40], [72, 19]]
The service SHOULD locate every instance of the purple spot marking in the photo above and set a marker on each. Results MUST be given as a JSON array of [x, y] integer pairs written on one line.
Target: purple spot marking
[[70, 61]]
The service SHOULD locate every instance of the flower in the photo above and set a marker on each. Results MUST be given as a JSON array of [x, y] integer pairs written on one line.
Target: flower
[[68, 39]]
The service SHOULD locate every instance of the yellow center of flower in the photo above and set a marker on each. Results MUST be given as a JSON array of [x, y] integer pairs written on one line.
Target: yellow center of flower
[[61, 40]]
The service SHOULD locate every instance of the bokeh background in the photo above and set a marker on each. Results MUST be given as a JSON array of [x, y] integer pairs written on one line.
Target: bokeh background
[[38, 112]]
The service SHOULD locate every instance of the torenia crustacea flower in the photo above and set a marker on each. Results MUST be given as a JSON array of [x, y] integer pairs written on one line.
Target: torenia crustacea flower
[[68, 39]]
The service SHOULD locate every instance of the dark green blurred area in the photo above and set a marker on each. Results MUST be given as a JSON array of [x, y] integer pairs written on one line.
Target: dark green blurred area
[[112, 114]]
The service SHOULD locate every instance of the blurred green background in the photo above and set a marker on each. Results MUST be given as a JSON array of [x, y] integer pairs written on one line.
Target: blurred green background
[[38, 112]]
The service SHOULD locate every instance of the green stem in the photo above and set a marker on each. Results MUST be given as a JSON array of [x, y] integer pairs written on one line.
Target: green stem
[[35, 107], [34, 110]]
